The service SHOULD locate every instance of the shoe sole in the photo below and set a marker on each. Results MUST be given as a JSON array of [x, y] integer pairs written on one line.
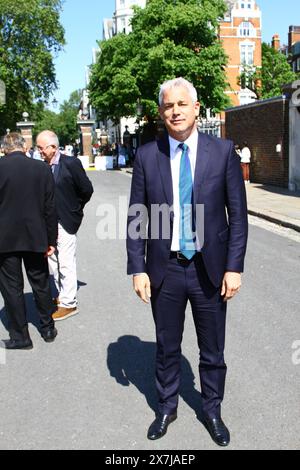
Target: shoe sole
[[49, 340], [67, 316], [26, 348]]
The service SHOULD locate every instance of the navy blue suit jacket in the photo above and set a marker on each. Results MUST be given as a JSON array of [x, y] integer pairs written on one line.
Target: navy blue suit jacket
[[73, 190], [218, 185]]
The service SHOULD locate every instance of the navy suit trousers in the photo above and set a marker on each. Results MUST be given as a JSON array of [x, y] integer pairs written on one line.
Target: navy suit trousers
[[188, 281]]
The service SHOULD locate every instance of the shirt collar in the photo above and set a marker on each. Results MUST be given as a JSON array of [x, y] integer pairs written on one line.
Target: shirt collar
[[191, 142], [55, 159]]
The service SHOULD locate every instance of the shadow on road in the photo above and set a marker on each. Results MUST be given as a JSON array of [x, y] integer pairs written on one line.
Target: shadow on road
[[132, 361], [31, 312]]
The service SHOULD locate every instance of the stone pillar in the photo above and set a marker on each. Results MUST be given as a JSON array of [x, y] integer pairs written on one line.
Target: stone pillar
[[86, 130], [294, 136], [25, 128]]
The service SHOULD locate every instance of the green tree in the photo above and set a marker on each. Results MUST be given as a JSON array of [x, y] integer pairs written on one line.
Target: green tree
[[30, 36], [64, 123], [267, 82], [169, 38]]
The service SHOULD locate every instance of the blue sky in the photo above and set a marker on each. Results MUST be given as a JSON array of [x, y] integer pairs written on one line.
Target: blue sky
[[83, 25]]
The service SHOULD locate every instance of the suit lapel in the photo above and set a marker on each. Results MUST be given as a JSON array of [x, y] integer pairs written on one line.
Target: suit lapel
[[201, 163], [55, 172], [164, 165], [59, 168]]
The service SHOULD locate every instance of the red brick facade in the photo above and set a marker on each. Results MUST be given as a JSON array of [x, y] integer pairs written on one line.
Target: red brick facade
[[241, 28], [264, 125]]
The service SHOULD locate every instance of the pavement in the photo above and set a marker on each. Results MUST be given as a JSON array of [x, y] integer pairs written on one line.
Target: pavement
[[278, 205], [94, 387], [272, 203]]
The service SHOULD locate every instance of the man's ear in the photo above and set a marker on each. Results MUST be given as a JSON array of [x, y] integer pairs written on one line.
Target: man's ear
[[197, 108]]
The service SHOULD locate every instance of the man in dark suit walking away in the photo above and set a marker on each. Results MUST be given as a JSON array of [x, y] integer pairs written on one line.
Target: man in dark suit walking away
[[28, 233], [194, 252], [73, 190]]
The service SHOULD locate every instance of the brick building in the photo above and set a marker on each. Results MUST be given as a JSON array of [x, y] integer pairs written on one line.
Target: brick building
[[294, 47], [265, 126], [240, 33], [292, 50]]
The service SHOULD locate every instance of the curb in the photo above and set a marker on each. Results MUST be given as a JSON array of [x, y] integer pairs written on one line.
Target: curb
[[269, 218], [275, 220]]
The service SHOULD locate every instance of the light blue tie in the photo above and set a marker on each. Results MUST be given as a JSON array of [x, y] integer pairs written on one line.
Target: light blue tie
[[187, 242]]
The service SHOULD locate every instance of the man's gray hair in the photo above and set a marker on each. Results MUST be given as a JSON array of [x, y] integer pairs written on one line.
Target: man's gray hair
[[50, 136], [12, 141], [176, 82]]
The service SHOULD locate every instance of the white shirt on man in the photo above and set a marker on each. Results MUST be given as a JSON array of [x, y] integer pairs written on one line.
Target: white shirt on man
[[175, 156]]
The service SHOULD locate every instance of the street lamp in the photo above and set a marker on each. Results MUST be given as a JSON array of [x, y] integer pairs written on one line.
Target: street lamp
[[25, 116], [54, 103]]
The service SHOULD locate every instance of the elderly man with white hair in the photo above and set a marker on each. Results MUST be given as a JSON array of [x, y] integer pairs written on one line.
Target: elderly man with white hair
[[73, 190]]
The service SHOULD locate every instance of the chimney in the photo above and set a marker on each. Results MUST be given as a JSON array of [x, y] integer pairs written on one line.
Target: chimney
[[294, 36], [276, 42]]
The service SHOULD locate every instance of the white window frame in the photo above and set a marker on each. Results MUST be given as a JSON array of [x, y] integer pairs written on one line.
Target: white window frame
[[246, 29], [248, 45]]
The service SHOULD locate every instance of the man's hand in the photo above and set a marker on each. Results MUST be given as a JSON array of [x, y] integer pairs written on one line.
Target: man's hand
[[231, 285], [141, 285], [50, 251]]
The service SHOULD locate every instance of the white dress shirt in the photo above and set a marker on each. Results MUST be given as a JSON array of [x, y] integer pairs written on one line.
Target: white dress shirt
[[175, 157]]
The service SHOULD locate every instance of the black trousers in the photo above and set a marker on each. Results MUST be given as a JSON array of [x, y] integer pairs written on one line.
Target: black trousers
[[188, 281], [12, 287]]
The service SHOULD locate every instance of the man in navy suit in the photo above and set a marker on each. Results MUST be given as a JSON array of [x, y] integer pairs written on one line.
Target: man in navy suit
[[186, 171], [73, 190]]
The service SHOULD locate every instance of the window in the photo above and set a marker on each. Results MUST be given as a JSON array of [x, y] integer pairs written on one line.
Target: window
[[247, 54], [246, 4], [247, 29], [123, 25]]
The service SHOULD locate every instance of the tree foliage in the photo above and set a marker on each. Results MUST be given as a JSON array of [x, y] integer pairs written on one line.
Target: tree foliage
[[30, 35], [64, 124], [169, 38], [267, 82]]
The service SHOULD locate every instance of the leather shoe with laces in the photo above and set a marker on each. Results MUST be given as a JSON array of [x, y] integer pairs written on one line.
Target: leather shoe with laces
[[16, 344], [218, 431], [50, 335], [160, 425]]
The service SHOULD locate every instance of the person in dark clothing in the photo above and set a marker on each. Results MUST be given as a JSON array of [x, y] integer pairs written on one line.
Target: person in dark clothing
[[28, 233]]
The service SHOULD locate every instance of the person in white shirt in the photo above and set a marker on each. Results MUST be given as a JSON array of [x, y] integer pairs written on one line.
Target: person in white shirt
[[245, 162]]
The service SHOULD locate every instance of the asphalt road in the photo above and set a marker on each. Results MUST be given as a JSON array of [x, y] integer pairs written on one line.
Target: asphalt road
[[93, 388]]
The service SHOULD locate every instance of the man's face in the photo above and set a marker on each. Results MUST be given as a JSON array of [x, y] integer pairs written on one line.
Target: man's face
[[47, 151], [179, 113]]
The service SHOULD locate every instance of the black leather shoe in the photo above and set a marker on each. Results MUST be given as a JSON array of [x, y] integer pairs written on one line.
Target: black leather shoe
[[218, 431], [50, 335], [15, 344], [160, 425]]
